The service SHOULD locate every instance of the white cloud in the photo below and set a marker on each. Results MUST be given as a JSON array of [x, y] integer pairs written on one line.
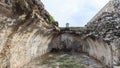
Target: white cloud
[[67, 10]]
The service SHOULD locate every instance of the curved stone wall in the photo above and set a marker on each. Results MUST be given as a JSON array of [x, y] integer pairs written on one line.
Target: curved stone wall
[[25, 32], [96, 48]]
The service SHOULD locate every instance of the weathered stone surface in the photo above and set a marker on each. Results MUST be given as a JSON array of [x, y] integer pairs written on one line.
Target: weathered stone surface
[[106, 26], [101, 36], [93, 47], [25, 32]]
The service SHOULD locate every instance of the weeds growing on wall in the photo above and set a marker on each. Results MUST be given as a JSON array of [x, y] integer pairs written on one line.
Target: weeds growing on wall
[[51, 19]]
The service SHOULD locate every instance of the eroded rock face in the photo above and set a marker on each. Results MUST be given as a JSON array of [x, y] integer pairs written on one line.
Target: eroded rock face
[[106, 26], [25, 32]]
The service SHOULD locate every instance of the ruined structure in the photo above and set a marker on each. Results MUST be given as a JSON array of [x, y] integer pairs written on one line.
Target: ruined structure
[[106, 26], [100, 37], [27, 32]]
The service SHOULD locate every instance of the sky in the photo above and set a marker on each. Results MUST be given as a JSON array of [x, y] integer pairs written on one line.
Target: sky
[[75, 12]]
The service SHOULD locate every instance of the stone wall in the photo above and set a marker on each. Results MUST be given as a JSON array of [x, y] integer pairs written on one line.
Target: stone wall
[[107, 28], [95, 48], [25, 32]]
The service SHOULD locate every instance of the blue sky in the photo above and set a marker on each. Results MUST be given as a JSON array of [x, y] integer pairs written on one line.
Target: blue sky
[[75, 12]]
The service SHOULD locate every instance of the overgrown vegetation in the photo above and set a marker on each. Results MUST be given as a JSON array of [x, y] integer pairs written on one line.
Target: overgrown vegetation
[[64, 61], [71, 65], [51, 19]]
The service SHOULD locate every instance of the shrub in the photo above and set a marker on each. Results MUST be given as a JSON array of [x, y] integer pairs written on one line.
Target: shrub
[[51, 19]]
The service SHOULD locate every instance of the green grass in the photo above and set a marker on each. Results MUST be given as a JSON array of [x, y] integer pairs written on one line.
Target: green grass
[[71, 65], [65, 61]]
